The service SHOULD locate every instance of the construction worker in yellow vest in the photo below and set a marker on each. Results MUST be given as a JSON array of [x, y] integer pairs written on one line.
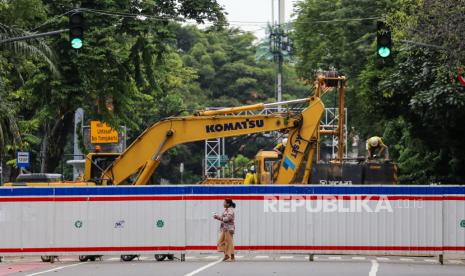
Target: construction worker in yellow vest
[[376, 148], [251, 177], [280, 147]]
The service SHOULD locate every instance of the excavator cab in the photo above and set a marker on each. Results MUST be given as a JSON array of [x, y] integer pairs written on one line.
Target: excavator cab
[[267, 162], [96, 163]]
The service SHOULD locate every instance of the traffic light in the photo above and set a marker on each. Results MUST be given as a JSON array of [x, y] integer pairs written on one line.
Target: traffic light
[[383, 40], [76, 30]]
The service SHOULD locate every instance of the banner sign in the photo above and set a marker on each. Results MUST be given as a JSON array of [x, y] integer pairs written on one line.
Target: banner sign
[[102, 133]]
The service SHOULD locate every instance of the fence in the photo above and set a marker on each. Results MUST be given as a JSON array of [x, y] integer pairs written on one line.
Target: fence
[[406, 220]]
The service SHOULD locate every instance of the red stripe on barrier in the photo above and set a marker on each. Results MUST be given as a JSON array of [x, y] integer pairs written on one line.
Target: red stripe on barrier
[[222, 197], [87, 198], [343, 248], [316, 197], [88, 249], [453, 248], [239, 247], [203, 247], [129, 198], [331, 247]]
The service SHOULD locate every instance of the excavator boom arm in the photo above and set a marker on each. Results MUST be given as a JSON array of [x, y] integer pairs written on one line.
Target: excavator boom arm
[[143, 155]]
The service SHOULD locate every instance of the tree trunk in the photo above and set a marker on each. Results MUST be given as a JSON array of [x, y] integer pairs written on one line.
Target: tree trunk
[[44, 146], [57, 141]]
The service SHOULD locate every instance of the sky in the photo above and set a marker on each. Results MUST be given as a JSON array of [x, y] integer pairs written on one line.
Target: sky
[[252, 15]]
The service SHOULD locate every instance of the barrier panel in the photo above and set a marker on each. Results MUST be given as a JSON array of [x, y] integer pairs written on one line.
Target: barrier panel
[[404, 220]]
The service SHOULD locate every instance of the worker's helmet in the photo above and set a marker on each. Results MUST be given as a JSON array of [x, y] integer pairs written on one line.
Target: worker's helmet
[[373, 141], [285, 142], [252, 169]]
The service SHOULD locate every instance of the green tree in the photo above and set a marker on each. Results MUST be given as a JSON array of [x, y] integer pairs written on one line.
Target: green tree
[[125, 62], [412, 98], [18, 61]]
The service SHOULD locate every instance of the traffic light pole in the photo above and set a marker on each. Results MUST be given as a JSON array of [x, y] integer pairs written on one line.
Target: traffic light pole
[[32, 36]]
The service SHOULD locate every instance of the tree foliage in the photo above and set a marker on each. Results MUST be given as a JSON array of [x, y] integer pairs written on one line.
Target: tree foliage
[[127, 63], [139, 63], [412, 99]]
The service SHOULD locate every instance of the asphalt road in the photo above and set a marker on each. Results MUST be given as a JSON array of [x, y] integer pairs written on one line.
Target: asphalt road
[[245, 265]]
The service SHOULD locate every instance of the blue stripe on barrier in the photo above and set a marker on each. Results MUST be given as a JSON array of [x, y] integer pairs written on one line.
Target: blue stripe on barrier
[[231, 190]]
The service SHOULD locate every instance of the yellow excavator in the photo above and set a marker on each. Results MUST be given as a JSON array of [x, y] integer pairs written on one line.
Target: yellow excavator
[[139, 161]]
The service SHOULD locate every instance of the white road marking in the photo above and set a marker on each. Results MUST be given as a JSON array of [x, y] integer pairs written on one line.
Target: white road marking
[[374, 268], [334, 258], [382, 259], [261, 257], [212, 257], [286, 257], [190, 257], [455, 262], [203, 268], [143, 258], [54, 269], [238, 257], [406, 259], [430, 260], [114, 259], [358, 258]]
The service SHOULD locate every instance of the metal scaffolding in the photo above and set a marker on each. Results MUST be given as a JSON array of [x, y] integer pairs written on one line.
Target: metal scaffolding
[[215, 149], [326, 82], [214, 152], [329, 121]]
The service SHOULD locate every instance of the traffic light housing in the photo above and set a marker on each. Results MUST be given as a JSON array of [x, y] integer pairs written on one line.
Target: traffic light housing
[[76, 30], [383, 40]]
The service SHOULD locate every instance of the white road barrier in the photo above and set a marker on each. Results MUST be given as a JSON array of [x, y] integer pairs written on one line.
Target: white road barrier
[[406, 220]]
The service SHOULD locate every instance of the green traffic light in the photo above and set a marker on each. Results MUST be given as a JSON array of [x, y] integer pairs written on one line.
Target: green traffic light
[[76, 43], [384, 52]]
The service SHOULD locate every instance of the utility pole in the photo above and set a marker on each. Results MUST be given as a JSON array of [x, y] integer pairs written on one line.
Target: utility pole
[[281, 12], [77, 153], [272, 12], [280, 56], [278, 43]]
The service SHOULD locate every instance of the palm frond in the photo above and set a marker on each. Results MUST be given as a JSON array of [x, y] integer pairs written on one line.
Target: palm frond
[[35, 48]]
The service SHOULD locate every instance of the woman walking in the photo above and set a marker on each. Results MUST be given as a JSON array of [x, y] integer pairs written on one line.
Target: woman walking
[[226, 242]]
